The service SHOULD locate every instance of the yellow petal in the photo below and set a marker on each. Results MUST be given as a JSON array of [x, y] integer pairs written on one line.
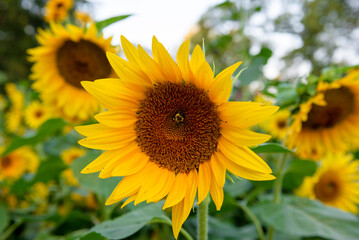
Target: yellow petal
[[131, 51], [218, 170], [109, 141], [130, 164], [243, 172], [216, 193], [167, 64], [100, 162], [203, 77], [150, 67], [245, 114], [93, 129], [243, 137], [129, 74], [204, 181], [242, 156], [221, 88], [178, 191], [183, 61], [177, 216], [119, 118], [164, 185], [197, 58]]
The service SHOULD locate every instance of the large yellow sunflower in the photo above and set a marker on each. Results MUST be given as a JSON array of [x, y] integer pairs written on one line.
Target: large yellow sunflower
[[66, 57], [335, 183], [327, 123], [170, 130], [57, 10]]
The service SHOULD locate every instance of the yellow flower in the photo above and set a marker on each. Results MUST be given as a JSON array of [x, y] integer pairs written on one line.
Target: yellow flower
[[69, 155], [14, 115], [57, 10], [65, 57], [277, 125], [16, 163], [328, 122], [69, 177], [83, 18], [36, 114], [170, 130], [335, 183]]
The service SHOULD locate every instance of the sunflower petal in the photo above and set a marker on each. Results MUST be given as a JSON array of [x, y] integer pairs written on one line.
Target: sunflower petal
[[204, 181], [178, 191]]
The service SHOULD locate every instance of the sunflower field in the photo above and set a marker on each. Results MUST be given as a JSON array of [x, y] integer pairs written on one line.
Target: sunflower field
[[249, 129]]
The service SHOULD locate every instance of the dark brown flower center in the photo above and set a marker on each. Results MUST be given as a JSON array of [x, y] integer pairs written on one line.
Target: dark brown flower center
[[177, 126], [82, 61], [38, 114], [281, 123], [328, 187], [6, 162], [340, 104]]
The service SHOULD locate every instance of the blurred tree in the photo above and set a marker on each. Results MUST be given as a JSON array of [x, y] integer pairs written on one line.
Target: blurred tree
[[302, 35], [18, 23]]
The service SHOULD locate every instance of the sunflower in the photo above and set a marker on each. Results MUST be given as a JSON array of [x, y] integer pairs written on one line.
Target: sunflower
[[13, 116], [170, 131], [277, 125], [335, 183], [69, 155], [69, 177], [57, 10], [16, 163], [66, 57], [36, 114], [83, 18], [327, 123]]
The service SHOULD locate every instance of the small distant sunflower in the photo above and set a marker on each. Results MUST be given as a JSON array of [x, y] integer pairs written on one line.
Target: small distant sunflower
[[36, 114], [83, 18], [277, 125], [14, 114], [57, 10], [69, 177], [66, 57], [16, 163], [69, 155], [170, 130], [335, 183], [329, 121]]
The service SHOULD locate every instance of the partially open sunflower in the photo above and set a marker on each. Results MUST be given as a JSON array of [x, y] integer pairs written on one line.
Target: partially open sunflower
[[328, 122], [170, 131], [66, 57]]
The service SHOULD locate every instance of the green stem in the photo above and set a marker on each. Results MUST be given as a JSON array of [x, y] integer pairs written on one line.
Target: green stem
[[10, 230], [202, 219], [166, 220], [254, 219], [278, 189]]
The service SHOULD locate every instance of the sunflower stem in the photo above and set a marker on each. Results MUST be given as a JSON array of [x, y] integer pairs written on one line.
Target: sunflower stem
[[254, 219], [202, 219], [278, 188]]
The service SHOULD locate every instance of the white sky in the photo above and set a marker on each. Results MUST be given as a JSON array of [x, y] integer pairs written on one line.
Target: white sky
[[168, 20]]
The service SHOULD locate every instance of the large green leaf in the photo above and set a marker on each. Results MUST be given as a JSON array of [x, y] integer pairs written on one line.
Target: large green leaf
[[47, 129], [100, 25], [270, 148], [50, 169], [129, 223], [4, 218], [304, 217], [297, 170], [92, 182]]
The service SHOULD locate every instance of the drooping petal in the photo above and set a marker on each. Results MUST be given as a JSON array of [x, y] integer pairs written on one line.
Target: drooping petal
[[178, 191], [216, 193], [204, 181]]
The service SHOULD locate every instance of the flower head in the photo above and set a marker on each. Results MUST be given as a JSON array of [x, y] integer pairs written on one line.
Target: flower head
[[36, 114], [335, 183], [327, 123], [170, 131], [66, 57], [57, 10]]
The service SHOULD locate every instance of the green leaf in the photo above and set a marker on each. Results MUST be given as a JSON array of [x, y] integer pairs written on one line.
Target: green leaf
[[47, 129], [129, 223], [50, 169], [4, 218], [104, 23], [270, 148], [305, 217], [297, 170], [92, 182], [225, 230], [92, 236]]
